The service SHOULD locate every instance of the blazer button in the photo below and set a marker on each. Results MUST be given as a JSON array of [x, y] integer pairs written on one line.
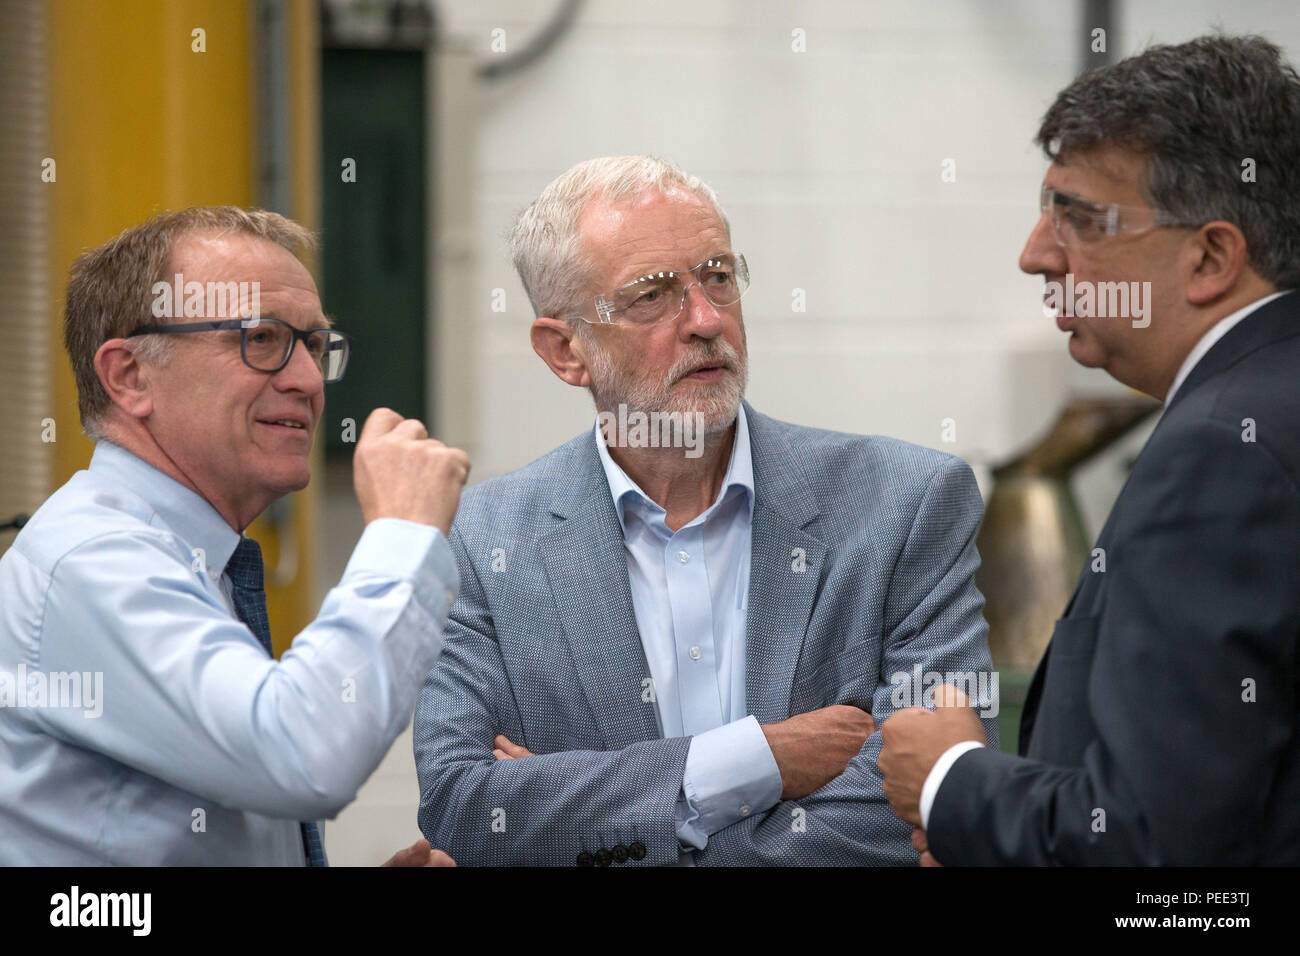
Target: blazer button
[[619, 853], [636, 850], [602, 857], [585, 859]]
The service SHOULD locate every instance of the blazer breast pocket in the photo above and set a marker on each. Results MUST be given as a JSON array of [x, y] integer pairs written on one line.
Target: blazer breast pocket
[[1063, 724]]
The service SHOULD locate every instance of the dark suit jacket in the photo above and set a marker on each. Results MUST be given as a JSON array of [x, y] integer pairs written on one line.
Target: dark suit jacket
[[1161, 726]]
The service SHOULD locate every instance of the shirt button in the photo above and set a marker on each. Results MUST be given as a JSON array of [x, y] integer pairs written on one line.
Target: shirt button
[[695, 653], [683, 557], [744, 809]]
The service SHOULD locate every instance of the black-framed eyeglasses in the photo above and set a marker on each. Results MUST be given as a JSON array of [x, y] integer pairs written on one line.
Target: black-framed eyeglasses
[[266, 345]]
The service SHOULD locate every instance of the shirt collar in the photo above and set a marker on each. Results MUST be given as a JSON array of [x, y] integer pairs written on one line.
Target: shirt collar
[[740, 474], [175, 507], [1212, 337]]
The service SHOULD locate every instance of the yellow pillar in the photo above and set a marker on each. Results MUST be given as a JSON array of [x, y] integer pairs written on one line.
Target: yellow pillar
[[147, 114]]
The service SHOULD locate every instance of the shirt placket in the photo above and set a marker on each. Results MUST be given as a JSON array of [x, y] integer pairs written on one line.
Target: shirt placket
[[691, 604]]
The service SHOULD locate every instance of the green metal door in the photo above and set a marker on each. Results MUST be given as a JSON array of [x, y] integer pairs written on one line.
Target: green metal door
[[373, 262]]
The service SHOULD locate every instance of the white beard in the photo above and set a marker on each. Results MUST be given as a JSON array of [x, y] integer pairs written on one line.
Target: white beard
[[717, 404]]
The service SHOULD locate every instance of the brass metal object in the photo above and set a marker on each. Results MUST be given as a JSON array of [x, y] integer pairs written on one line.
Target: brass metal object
[[1032, 544]]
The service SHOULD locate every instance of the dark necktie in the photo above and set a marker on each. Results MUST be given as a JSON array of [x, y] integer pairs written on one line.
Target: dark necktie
[[245, 570]]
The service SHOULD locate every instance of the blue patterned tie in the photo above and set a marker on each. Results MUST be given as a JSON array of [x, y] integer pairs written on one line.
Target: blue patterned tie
[[245, 570]]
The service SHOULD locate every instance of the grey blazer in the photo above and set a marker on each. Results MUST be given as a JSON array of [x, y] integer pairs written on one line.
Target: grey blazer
[[862, 568]]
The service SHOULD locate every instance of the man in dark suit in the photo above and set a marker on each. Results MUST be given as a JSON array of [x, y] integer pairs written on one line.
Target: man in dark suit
[[1161, 726]]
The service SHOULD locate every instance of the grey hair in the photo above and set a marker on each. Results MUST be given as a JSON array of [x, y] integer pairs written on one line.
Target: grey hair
[[1196, 112], [544, 241]]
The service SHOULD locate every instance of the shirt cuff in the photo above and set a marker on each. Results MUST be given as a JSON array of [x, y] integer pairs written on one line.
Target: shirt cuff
[[935, 778], [393, 548], [730, 775]]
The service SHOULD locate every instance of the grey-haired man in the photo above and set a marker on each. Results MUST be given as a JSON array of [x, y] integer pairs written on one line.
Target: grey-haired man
[[673, 631]]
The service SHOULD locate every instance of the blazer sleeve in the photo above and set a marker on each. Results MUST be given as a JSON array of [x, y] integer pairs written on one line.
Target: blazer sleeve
[[545, 809], [1191, 688], [933, 620]]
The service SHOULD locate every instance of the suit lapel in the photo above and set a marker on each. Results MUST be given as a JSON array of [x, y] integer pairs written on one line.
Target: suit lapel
[[1030, 711], [586, 567], [1268, 324], [781, 598], [780, 605], [1034, 693]]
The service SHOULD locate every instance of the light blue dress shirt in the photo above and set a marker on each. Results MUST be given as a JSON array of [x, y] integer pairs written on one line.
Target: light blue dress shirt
[[182, 742], [689, 592]]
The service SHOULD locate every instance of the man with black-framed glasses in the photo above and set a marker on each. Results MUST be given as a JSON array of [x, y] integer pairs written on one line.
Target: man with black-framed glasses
[[135, 578], [674, 630], [1162, 726]]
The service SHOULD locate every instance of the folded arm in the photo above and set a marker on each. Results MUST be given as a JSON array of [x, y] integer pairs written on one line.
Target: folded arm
[[543, 809]]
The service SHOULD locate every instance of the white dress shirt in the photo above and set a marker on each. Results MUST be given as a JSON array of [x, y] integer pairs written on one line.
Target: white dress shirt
[[689, 589]]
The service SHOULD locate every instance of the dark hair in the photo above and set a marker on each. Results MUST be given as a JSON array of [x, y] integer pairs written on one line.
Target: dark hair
[[1196, 112]]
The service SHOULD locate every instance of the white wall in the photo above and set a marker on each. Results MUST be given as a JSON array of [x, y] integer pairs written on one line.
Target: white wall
[[828, 163]]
